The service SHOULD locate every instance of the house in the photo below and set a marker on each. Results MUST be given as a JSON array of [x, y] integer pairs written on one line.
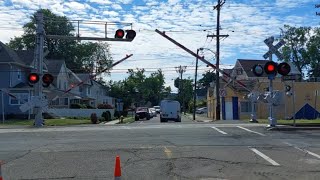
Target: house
[[14, 70], [235, 105], [15, 66]]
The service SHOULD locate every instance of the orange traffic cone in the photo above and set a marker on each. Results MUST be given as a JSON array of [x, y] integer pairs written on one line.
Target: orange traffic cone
[[0, 171], [117, 169]]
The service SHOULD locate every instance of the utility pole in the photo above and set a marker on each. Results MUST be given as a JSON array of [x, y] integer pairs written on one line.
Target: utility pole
[[39, 60], [195, 87], [181, 70], [218, 7]]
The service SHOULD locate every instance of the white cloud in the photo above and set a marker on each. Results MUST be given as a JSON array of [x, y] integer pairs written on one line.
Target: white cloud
[[100, 1], [247, 25]]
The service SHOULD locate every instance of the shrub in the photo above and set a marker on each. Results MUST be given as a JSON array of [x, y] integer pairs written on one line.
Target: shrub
[[94, 118], [89, 107], [75, 106], [106, 115], [104, 106]]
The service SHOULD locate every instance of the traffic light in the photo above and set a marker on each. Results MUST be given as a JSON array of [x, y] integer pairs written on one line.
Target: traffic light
[[130, 34], [284, 69], [270, 68], [257, 70], [33, 78], [47, 79], [119, 34]]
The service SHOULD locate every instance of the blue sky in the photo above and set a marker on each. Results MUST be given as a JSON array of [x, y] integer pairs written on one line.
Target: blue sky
[[247, 22]]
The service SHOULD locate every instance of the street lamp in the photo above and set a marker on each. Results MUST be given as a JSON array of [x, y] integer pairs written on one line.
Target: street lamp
[[217, 84]]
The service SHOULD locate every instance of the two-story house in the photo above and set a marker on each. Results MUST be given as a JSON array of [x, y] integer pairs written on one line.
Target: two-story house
[[14, 70], [235, 105]]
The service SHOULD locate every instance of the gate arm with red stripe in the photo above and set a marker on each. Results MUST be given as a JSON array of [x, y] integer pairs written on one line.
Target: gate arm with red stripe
[[114, 64], [200, 58]]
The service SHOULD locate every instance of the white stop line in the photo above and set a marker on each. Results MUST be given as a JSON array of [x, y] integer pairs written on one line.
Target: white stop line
[[265, 157], [220, 131]]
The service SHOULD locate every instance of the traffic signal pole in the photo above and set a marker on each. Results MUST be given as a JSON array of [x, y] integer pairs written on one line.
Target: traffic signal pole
[[272, 120], [39, 60]]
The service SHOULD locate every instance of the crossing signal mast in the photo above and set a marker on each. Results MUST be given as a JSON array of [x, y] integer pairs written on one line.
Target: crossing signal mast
[[47, 79], [272, 69]]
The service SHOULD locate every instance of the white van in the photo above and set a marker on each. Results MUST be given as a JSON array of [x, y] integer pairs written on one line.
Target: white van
[[170, 110]]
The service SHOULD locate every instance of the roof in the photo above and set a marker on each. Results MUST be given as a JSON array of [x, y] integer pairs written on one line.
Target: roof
[[248, 64], [84, 77], [9, 55], [54, 66], [27, 56]]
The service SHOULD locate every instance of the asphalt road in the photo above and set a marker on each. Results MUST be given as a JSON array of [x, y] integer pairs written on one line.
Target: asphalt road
[[160, 151], [156, 120]]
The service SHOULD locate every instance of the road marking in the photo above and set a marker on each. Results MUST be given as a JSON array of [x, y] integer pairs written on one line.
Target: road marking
[[251, 131], [220, 131], [264, 157], [168, 152], [303, 150]]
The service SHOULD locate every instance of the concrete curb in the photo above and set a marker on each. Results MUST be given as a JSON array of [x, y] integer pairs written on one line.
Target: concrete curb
[[290, 128]]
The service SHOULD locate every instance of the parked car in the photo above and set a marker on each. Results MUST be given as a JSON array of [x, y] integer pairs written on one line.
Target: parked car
[[157, 109], [202, 110], [154, 112], [141, 113], [170, 110]]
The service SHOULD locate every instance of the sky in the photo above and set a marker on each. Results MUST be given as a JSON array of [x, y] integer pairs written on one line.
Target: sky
[[247, 22]]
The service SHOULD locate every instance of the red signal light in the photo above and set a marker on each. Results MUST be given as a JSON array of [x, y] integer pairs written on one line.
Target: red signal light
[[47, 79], [284, 69], [119, 34], [33, 78], [270, 67], [131, 34]]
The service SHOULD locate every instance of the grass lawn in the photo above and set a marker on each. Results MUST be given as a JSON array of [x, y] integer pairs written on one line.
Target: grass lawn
[[49, 122], [298, 121], [128, 120]]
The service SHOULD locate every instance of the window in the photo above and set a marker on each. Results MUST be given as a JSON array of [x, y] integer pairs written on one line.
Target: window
[[55, 102], [59, 84], [65, 85], [19, 74], [80, 88], [66, 101], [21, 98], [89, 91], [246, 107]]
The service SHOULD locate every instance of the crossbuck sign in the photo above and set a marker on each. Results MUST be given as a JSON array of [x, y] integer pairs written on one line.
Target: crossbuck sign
[[273, 49]]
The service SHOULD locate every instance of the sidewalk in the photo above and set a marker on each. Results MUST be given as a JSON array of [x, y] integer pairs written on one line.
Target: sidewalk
[[113, 122], [293, 128], [198, 118]]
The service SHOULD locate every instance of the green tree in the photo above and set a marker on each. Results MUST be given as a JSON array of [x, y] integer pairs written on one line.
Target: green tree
[[295, 48], [313, 55], [207, 78], [140, 89], [185, 91]]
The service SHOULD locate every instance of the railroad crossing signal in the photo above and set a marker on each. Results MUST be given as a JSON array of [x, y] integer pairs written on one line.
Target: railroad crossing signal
[[34, 78], [271, 68], [131, 34], [273, 49]]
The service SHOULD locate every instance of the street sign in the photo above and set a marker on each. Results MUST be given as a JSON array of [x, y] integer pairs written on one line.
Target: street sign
[[273, 49], [223, 92]]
